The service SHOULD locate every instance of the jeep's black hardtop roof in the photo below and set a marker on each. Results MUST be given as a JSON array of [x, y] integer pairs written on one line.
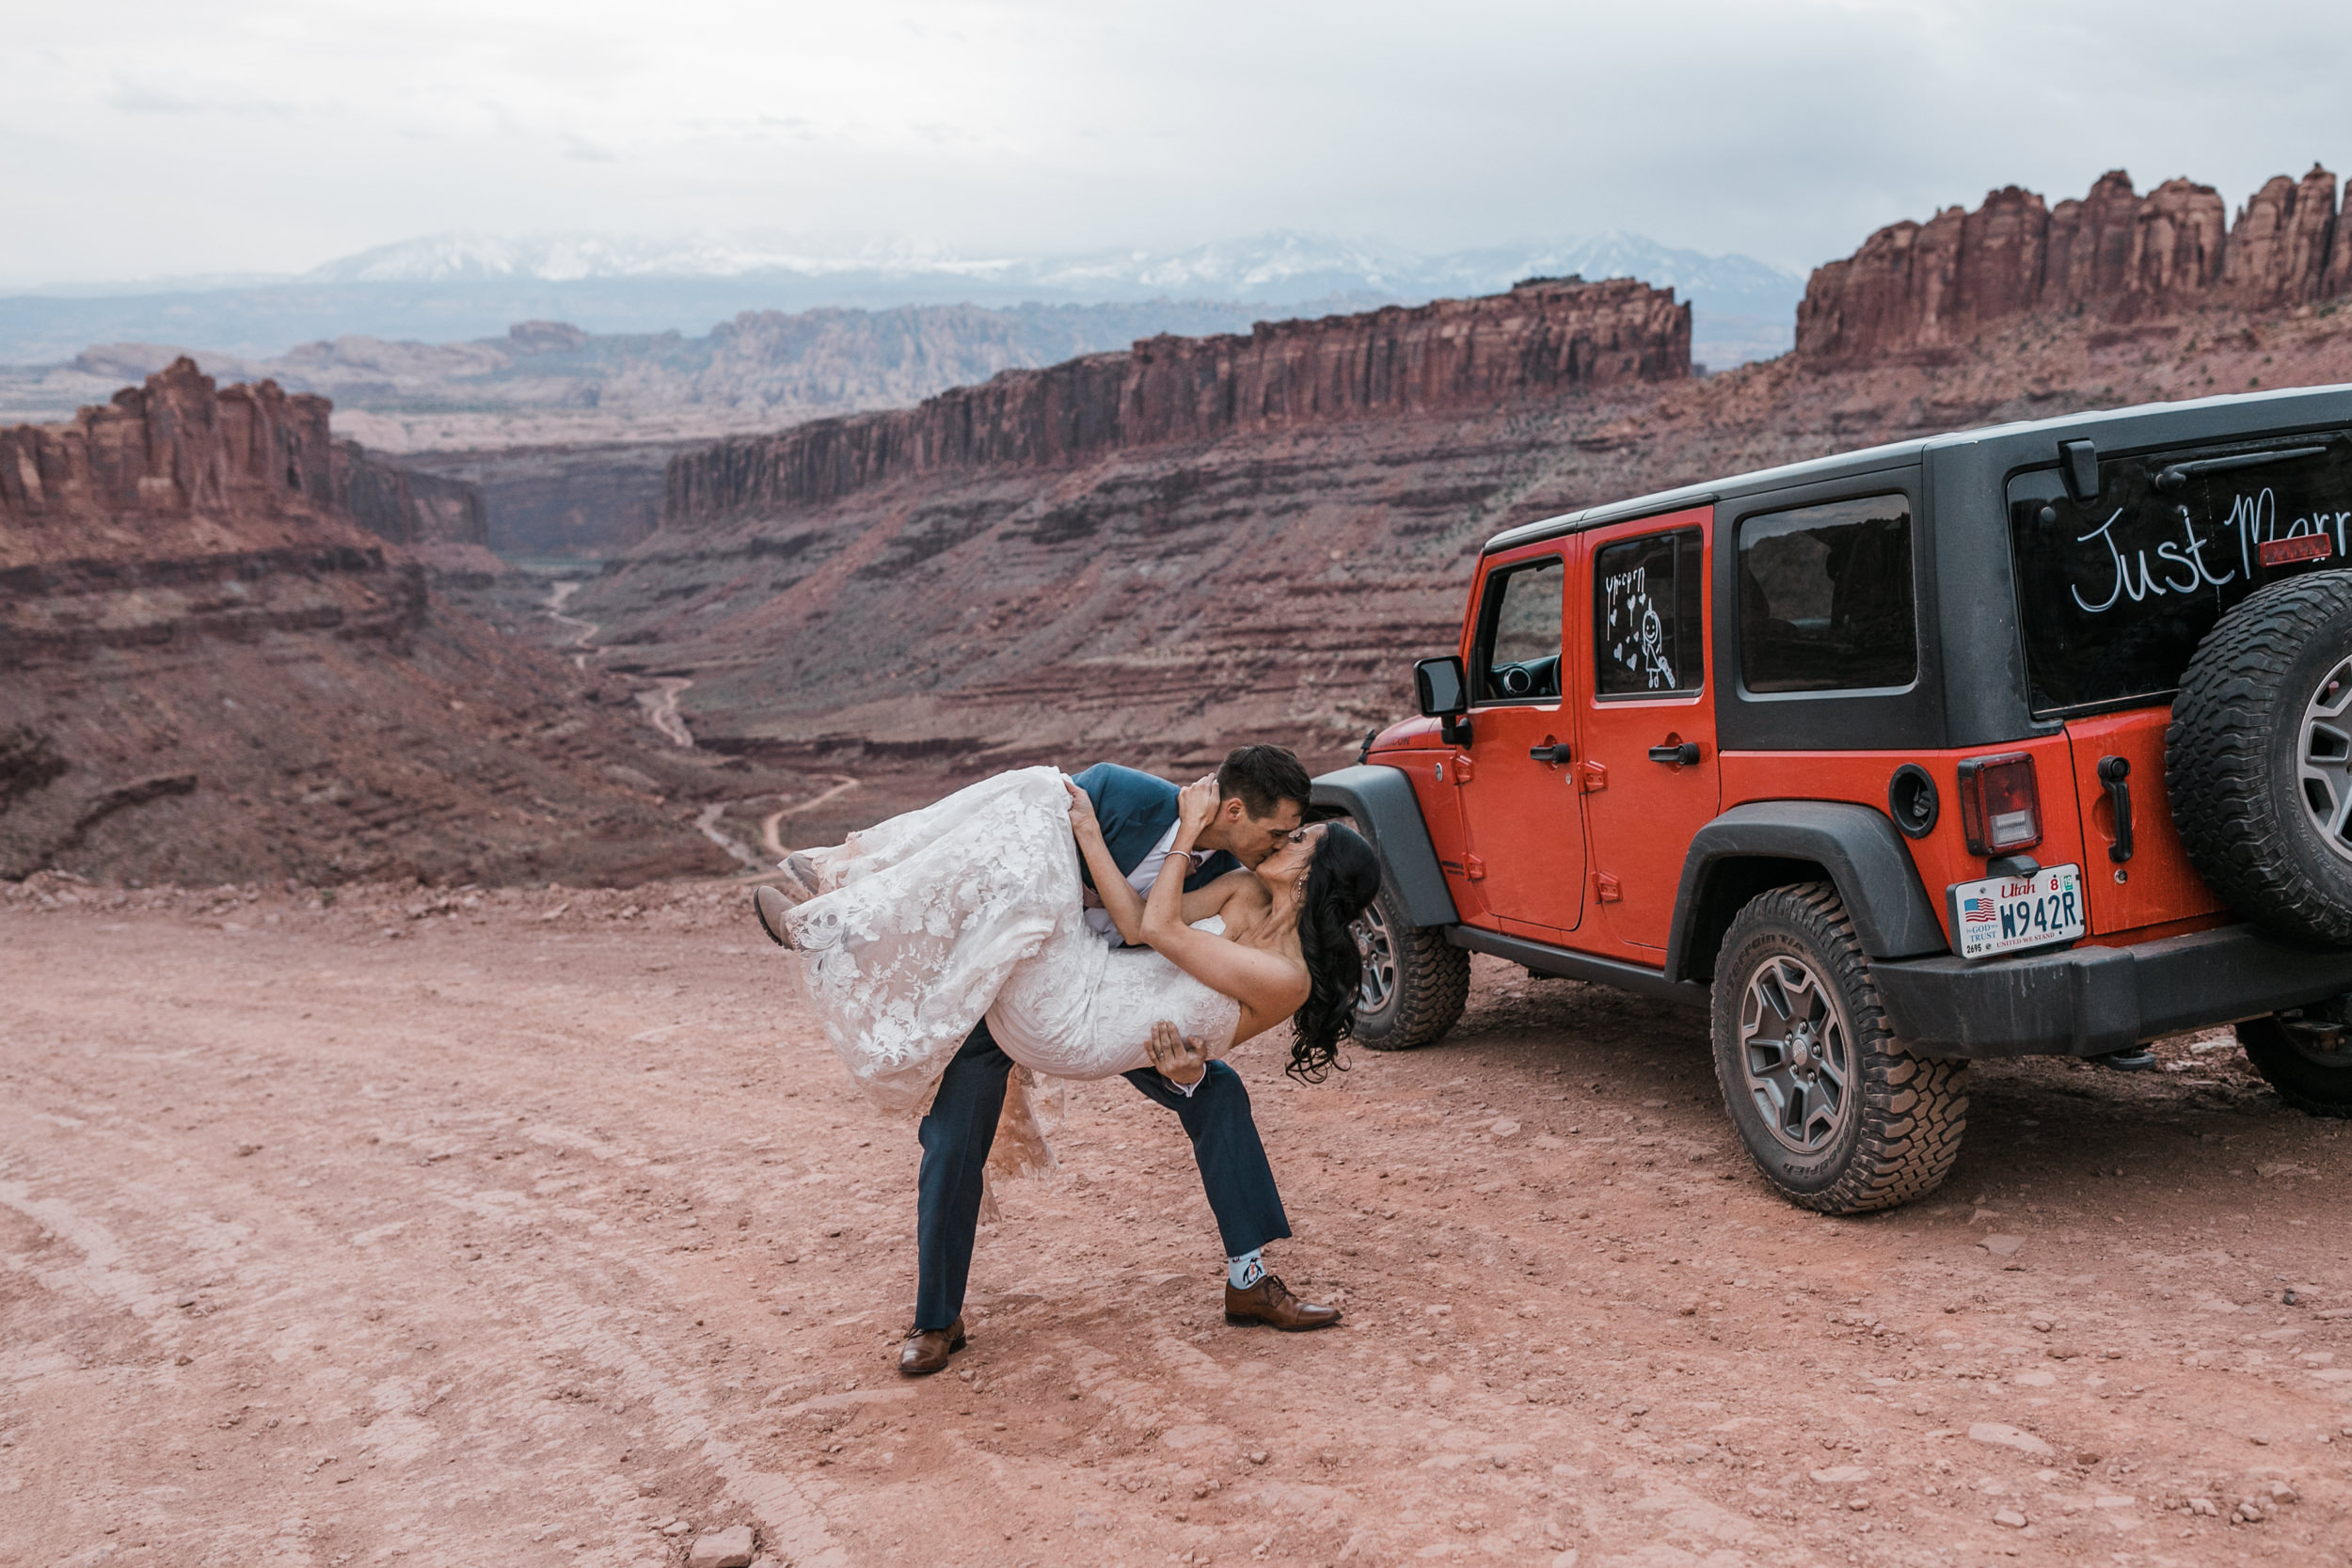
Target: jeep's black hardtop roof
[[2023, 445]]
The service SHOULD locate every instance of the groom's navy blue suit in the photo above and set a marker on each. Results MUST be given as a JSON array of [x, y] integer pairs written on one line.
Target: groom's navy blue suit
[[1135, 811]]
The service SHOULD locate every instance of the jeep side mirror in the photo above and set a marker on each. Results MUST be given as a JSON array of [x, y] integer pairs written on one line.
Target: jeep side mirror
[[1439, 684], [1444, 695]]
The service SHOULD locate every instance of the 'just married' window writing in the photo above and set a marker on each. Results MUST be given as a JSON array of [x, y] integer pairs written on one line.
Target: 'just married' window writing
[[2114, 593]]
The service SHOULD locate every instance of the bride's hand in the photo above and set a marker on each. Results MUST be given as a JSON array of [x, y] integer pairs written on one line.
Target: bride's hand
[[1083, 821], [1180, 1058], [1196, 804]]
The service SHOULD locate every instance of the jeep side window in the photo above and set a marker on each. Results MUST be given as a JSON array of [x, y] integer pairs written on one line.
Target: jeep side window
[[1517, 654], [2115, 591], [1825, 597], [1648, 637]]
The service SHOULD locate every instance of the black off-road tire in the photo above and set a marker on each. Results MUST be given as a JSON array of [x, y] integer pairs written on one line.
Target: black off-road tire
[[2311, 1080], [1426, 981], [1885, 1135], [2233, 759]]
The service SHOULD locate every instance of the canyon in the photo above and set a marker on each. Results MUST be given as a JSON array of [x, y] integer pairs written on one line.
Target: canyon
[[230, 659], [1154, 554], [548, 383], [1150, 553]]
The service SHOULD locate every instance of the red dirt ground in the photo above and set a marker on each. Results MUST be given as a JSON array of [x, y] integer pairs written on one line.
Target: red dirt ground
[[434, 1228]]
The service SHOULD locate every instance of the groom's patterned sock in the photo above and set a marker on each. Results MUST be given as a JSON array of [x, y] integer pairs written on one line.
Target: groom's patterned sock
[[1242, 1271]]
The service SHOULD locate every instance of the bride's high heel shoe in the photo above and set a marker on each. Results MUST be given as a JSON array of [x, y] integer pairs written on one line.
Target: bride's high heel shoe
[[770, 906], [820, 930]]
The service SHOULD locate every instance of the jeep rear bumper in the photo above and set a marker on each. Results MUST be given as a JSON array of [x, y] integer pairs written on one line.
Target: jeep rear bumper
[[2089, 1001]]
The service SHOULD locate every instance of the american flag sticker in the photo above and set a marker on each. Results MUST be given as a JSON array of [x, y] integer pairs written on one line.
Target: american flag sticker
[[1978, 910]]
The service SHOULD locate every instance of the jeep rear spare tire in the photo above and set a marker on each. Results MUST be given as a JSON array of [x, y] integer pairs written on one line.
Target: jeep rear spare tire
[[1415, 982], [1834, 1112], [2258, 760]]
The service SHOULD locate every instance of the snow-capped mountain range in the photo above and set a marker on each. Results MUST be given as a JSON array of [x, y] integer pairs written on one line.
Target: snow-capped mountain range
[[451, 288], [1277, 267]]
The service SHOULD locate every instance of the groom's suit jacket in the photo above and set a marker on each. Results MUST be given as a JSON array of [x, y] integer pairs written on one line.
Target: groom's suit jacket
[[1136, 810]]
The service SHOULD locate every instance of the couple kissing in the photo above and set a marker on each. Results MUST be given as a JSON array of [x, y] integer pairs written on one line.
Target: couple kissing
[[1082, 927]]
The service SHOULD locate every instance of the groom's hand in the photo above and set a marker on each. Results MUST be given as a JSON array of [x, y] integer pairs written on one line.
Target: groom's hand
[[1181, 1059]]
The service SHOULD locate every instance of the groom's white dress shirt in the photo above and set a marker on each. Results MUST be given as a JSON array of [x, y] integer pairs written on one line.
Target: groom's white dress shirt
[[1141, 879]]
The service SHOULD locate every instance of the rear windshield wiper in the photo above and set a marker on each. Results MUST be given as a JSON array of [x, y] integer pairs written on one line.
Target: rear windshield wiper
[[2175, 475]]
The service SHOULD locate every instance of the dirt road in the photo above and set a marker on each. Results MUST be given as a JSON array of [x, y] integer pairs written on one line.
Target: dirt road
[[536, 1229]]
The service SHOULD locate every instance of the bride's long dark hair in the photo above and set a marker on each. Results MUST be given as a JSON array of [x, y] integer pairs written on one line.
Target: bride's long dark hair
[[1341, 880]]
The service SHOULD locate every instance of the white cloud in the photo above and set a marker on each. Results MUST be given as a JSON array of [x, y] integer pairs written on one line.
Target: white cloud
[[188, 137]]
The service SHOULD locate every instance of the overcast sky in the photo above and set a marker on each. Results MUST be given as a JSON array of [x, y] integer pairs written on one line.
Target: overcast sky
[[165, 137]]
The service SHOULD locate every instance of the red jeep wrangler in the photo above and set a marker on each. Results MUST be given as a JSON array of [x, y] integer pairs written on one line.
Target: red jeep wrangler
[[2023, 740]]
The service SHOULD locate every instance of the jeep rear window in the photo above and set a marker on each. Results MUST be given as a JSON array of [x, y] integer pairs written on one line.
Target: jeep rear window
[[1646, 633], [2114, 593], [1825, 597], [1517, 656]]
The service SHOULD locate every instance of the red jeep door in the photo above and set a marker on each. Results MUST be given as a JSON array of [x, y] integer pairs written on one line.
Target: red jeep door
[[1648, 770], [1527, 849]]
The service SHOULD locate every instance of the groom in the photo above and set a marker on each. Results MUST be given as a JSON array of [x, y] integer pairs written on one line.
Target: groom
[[1262, 799]]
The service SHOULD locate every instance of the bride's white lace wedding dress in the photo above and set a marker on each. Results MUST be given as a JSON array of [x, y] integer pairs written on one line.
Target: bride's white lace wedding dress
[[972, 906]]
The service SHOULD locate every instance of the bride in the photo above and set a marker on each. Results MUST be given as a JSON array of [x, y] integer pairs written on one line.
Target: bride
[[916, 929]]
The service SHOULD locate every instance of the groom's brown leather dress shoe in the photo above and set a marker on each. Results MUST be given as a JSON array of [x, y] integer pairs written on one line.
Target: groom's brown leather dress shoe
[[1270, 1302], [926, 1352]]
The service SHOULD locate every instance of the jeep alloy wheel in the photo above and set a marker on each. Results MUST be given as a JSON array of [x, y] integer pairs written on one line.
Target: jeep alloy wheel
[[2325, 766], [1796, 1052], [1379, 953], [1835, 1111], [1415, 982]]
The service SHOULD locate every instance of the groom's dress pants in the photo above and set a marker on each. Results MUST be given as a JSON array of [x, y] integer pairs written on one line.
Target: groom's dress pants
[[962, 1127]]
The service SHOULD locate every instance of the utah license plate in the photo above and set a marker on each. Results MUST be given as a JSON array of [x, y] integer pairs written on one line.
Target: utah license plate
[[2008, 914]]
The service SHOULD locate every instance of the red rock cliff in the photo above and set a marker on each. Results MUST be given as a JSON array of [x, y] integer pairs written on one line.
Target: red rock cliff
[[172, 469], [1929, 286], [179, 467], [1544, 337]]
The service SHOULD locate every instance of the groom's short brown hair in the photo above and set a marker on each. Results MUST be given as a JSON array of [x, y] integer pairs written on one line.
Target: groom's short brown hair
[[1263, 777]]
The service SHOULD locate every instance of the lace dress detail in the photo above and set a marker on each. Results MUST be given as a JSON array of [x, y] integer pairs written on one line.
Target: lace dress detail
[[972, 906]]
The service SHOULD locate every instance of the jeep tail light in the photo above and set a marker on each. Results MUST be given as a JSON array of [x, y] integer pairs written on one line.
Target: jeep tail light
[[2000, 805]]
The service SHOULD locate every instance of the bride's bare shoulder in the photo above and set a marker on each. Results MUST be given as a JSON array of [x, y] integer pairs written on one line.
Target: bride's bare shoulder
[[1243, 900], [1243, 888]]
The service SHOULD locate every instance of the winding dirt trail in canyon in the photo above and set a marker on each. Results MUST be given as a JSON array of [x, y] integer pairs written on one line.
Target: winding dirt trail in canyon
[[584, 644], [660, 699], [427, 1230], [659, 703]]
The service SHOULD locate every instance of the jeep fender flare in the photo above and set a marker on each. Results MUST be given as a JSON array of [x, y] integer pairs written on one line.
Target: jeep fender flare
[[1768, 844], [1382, 803]]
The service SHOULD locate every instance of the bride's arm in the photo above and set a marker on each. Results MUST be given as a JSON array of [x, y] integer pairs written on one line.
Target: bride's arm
[[1120, 897], [1124, 904], [1259, 981]]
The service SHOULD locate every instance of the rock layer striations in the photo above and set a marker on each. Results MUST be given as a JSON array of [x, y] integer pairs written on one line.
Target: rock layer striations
[[1159, 557], [2121, 256], [216, 673], [1544, 338], [180, 467]]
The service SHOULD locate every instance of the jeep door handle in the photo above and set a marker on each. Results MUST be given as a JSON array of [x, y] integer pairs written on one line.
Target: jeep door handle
[[1549, 754], [1684, 755]]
